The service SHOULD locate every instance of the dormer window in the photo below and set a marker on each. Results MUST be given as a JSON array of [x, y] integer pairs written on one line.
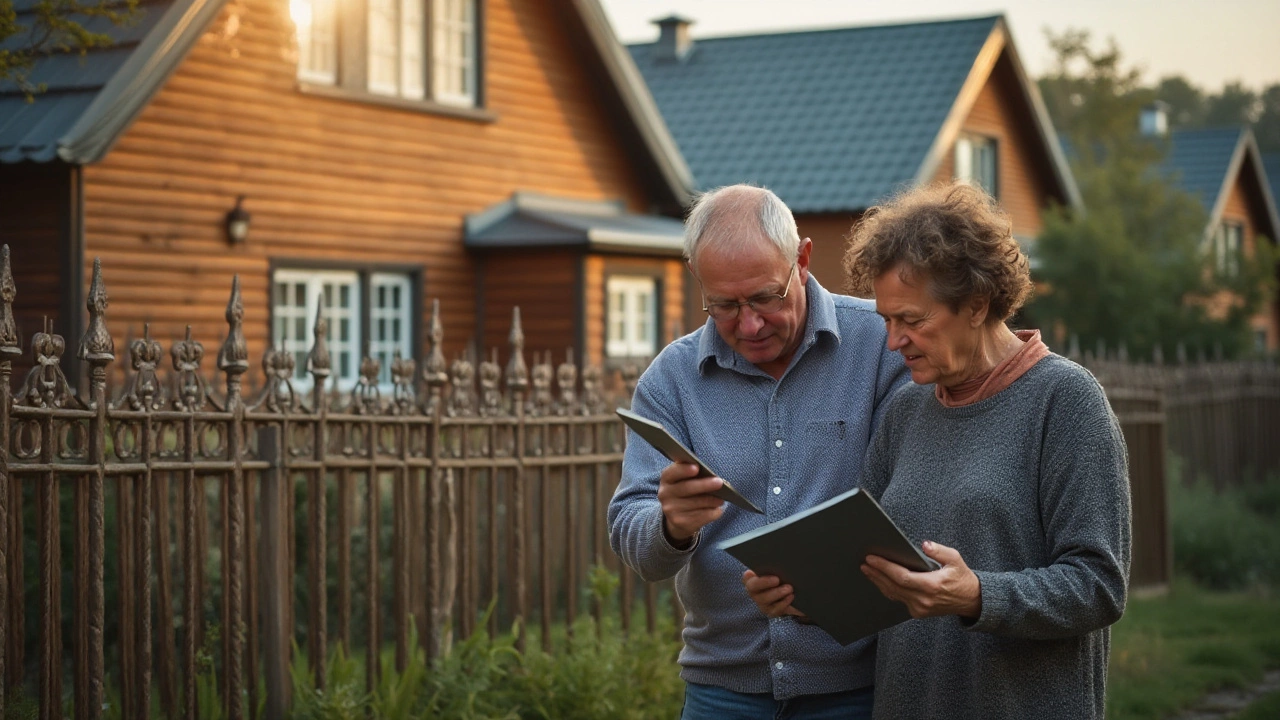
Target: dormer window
[[415, 50]]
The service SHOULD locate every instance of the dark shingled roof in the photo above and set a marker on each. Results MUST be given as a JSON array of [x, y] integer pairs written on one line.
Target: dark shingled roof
[[1271, 167], [831, 120], [1198, 161]]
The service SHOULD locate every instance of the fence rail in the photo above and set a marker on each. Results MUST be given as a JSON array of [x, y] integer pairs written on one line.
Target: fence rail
[[207, 531]]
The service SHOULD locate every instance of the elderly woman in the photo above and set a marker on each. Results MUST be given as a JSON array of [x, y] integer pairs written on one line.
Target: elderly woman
[[1005, 458]]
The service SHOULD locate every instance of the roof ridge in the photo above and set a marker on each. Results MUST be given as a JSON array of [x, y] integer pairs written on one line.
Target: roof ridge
[[843, 28]]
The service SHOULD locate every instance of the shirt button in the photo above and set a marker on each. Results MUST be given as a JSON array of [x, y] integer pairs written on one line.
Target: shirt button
[[777, 443], [778, 665], [777, 491]]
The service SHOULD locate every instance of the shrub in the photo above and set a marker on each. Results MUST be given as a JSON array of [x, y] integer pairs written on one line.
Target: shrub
[[1226, 539]]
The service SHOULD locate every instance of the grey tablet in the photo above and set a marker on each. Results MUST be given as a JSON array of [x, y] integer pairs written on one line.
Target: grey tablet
[[657, 436]]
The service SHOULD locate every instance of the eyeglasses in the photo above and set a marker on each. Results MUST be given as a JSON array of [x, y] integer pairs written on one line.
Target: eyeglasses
[[761, 304]]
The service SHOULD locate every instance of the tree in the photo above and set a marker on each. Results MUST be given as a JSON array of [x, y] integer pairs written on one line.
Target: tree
[[1235, 105], [48, 26], [1267, 129], [1130, 268], [1186, 102]]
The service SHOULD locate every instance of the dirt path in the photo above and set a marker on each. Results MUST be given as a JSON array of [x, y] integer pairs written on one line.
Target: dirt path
[[1226, 703]]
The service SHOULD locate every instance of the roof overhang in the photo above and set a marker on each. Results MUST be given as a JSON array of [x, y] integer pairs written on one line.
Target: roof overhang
[[637, 99], [997, 43], [529, 220], [137, 81]]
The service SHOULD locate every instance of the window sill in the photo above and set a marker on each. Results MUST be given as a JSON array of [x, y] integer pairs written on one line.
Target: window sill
[[423, 106]]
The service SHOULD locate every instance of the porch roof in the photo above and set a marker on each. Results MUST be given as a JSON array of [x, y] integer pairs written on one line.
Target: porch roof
[[529, 220]]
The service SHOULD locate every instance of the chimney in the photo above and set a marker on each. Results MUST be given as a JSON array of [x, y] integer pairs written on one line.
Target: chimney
[[674, 41], [1154, 120]]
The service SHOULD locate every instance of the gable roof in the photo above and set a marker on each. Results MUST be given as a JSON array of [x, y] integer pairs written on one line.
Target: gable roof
[[1206, 162], [833, 120], [91, 100], [1271, 168]]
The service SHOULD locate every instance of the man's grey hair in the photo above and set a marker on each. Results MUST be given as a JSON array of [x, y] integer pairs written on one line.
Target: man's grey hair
[[730, 217]]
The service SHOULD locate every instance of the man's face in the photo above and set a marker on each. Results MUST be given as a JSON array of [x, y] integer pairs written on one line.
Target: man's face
[[767, 340]]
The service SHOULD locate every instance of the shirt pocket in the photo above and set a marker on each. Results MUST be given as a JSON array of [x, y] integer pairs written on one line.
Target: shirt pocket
[[825, 431]]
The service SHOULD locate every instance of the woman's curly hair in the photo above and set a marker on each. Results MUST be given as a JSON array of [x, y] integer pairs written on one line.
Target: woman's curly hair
[[953, 235]]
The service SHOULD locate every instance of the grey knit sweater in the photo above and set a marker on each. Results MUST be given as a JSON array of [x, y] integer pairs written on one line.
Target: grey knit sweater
[[1032, 487]]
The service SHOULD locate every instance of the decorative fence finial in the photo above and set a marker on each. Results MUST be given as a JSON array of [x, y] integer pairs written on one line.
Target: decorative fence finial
[[567, 381], [540, 401], [188, 383], [366, 399], [144, 391], [8, 291], [96, 346], [517, 373], [403, 397], [490, 394], [462, 378], [318, 361], [45, 385], [278, 366], [233, 358], [435, 373]]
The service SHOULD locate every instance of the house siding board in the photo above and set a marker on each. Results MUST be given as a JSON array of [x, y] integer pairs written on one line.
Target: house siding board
[[337, 180], [830, 235], [30, 225], [1022, 175], [542, 284]]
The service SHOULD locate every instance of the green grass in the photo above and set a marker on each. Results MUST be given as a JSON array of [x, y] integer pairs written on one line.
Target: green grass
[[1167, 652]]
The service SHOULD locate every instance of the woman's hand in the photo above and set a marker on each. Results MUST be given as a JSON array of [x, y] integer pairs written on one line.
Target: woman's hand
[[770, 595], [953, 589]]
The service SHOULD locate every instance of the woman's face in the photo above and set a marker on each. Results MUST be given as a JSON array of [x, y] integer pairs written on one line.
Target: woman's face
[[938, 345]]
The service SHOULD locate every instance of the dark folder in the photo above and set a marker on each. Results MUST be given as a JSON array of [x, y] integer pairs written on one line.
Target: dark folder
[[819, 553]]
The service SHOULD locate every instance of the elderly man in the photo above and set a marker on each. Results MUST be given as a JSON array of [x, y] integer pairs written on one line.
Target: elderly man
[[779, 392]]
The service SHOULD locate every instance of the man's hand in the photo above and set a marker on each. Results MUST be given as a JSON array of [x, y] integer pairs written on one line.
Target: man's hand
[[686, 504], [953, 589], [770, 595]]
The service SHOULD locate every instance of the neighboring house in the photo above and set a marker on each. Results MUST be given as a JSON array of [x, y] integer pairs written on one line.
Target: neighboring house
[[384, 153], [837, 120], [1224, 170]]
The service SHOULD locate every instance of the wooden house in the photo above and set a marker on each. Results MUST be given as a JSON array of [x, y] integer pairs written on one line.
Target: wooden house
[[837, 120], [366, 156], [1223, 169]]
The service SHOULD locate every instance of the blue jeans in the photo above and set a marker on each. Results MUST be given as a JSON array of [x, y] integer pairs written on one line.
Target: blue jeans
[[708, 702]]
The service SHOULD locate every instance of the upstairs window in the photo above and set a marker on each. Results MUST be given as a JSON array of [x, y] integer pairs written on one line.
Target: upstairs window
[[1227, 242], [412, 49], [631, 316], [976, 162]]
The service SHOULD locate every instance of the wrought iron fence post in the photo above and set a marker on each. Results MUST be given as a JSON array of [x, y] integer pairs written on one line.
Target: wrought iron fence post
[[97, 349], [274, 576], [8, 351], [434, 372], [318, 364], [233, 360], [518, 383]]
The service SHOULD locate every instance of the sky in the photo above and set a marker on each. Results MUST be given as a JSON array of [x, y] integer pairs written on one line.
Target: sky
[[1210, 42]]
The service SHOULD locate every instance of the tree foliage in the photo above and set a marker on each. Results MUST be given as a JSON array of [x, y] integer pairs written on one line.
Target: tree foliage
[[1131, 269], [31, 29]]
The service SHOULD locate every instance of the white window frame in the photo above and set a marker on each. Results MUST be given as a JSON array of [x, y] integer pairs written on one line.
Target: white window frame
[[1228, 243], [394, 45], [454, 59], [972, 163], [631, 316], [386, 320], [344, 353], [316, 22]]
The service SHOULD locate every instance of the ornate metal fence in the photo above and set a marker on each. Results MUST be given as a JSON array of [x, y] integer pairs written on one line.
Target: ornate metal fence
[[169, 512]]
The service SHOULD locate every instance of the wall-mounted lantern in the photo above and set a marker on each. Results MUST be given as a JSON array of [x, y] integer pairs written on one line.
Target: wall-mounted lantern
[[238, 223]]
